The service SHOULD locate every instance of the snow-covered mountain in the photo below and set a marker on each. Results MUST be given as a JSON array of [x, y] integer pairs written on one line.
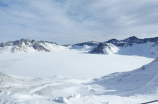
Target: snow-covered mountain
[[26, 45], [147, 47], [85, 46], [105, 48], [131, 41]]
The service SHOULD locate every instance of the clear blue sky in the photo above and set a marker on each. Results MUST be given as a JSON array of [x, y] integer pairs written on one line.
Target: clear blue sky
[[73, 21]]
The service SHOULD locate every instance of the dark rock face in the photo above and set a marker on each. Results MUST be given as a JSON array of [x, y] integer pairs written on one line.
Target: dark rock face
[[130, 41], [112, 41], [151, 39], [45, 42], [40, 48], [90, 43], [100, 48], [19, 42], [2, 45], [119, 43]]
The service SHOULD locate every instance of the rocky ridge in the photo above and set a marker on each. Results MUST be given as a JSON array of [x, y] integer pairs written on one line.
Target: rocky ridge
[[129, 46], [26, 45]]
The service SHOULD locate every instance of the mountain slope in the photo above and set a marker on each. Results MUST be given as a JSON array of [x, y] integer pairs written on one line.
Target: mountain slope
[[147, 47], [105, 48]]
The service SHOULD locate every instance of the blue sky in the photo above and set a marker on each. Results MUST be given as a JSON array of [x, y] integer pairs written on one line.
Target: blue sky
[[74, 21]]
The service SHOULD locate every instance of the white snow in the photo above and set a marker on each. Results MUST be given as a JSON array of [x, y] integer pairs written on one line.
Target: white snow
[[69, 91], [70, 64], [149, 49], [110, 49], [53, 47], [127, 86], [81, 48]]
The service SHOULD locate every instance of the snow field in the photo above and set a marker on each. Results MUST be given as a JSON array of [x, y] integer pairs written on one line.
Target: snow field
[[131, 87], [70, 64]]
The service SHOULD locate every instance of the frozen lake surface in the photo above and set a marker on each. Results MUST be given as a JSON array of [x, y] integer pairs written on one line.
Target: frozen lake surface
[[70, 64]]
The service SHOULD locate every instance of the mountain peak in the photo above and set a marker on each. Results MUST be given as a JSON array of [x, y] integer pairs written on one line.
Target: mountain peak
[[132, 38], [25, 40]]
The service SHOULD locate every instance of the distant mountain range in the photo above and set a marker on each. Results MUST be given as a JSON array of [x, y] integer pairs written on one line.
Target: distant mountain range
[[131, 46], [147, 47]]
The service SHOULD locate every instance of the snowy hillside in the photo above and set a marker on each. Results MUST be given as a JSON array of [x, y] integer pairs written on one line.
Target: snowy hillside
[[140, 81], [149, 49]]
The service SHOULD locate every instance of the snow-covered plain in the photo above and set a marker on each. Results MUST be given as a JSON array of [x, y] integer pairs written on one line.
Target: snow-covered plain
[[70, 64]]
